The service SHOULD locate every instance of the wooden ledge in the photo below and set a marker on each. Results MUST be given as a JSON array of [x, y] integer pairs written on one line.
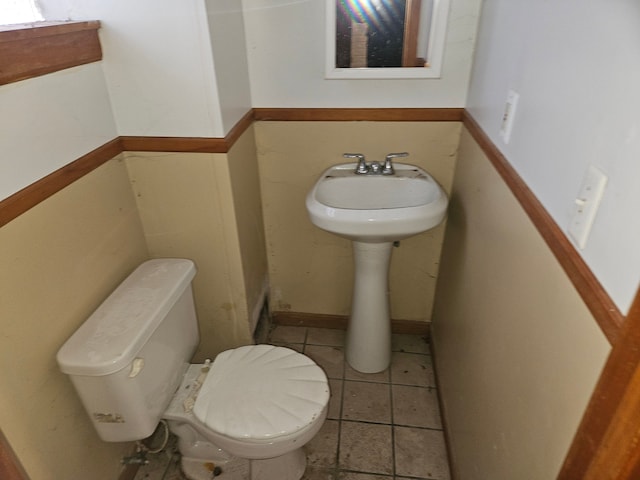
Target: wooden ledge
[[21, 31], [34, 49]]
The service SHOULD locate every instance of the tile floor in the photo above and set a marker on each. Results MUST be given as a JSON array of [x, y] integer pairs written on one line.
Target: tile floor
[[383, 426]]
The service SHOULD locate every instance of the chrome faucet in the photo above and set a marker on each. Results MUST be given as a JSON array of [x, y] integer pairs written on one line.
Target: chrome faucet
[[375, 168], [362, 168], [387, 168]]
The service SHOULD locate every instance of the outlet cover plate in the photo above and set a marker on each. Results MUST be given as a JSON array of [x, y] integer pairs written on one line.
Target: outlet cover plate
[[509, 115]]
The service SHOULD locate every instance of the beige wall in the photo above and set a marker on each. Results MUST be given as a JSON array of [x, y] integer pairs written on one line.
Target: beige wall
[[247, 202], [63, 257], [311, 270], [517, 351], [59, 261], [205, 207]]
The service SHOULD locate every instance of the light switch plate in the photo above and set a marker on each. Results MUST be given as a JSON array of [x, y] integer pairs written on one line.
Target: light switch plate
[[586, 205]]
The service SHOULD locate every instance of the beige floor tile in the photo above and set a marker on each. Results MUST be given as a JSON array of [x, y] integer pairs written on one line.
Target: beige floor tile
[[361, 476], [288, 334], [322, 450], [366, 402], [325, 336], [351, 374], [315, 473], [415, 406], [335, 401], [412, 369], [331, 359], [298, 347], [409, 343], [154, 470], [162, 465], [366, 448], [421, 453], [174, 473]]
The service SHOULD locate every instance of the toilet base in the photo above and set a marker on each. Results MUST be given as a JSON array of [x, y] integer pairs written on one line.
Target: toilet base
[[199, 469], [290, 466]]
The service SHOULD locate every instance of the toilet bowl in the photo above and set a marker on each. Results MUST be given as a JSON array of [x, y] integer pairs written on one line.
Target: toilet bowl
[[245, 415], [251, 415]]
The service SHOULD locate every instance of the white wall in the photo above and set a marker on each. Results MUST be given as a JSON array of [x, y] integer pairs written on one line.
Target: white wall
[[157, 61], [48, 121], [286, 50], [576, 66], [173, 67], [227, 36]]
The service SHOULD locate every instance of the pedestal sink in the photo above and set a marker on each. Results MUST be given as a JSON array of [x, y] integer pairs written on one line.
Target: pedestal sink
[[374, 210]]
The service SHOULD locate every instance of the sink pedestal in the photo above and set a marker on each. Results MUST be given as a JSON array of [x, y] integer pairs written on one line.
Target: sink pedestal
[[368, 347], [372, 211]]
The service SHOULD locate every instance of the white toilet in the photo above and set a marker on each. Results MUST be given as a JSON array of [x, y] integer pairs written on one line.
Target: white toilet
[[246, 415]]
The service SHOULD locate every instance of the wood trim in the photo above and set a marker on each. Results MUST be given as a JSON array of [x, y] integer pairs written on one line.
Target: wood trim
[[360, 114], [189, 144], [606, 443], [30, 196], [36, 49], [239, 128], [411, 327], [411, 29], [10, 466], [605, 312], [35, 193], [174, 144], [318, 320], [340, 322]]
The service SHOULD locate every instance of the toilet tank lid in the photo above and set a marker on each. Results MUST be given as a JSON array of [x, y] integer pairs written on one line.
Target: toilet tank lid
[[113, 335]]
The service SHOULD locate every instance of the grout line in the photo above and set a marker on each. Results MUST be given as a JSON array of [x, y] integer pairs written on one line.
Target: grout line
[[393, 427], [337, 464], [336, 469], [377, 474]]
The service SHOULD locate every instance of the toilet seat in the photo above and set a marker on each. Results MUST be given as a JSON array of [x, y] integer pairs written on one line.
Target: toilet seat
[[261, 394]]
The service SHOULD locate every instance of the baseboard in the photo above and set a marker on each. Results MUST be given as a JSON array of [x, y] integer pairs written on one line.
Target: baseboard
[[259, 306], [444, 412], [340, 322]]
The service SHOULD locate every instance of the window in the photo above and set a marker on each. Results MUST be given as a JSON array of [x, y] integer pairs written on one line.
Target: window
[[19, 11]]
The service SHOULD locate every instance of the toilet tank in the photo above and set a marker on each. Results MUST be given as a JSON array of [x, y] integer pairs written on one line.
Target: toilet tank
[[128, 358]]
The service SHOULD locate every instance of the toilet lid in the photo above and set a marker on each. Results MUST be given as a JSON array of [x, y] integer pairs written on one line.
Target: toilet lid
[[260, 392]]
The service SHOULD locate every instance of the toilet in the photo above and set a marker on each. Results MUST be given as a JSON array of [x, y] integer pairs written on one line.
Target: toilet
[[244, 416]]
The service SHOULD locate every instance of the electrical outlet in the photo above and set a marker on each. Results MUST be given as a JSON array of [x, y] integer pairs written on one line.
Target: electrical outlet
[[586, 205], [509, 114]]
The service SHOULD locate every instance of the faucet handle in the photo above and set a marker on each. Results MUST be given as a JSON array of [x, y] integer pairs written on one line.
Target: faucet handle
[[387, 169], [362, 166]]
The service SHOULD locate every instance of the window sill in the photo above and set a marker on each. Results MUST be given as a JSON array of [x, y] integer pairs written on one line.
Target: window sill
[[34, 49]]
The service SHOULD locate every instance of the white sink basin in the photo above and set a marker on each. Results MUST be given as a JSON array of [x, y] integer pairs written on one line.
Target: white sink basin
[[376, 208]]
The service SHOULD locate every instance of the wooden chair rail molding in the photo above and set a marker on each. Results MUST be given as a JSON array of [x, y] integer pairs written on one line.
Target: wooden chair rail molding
[[359, 114], [597, 300], [601, 306], [606, 443], [30, 196], [605, 446]]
